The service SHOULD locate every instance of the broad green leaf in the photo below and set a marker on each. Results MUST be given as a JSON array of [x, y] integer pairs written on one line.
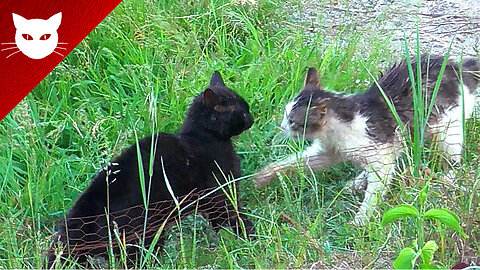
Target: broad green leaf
[[427, 266], [427, 252], [406, 259], [400, 211], [446, 217]]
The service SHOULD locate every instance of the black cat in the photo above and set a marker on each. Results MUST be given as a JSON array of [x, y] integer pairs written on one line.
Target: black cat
[[195, 160]]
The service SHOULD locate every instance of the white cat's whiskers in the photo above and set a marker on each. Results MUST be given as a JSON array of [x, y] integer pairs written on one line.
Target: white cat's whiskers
[[59, 53], [60, 48], [9, 48], [13, 53]]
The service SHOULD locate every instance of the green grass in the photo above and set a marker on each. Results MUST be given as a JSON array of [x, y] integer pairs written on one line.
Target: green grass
[[90, 107]]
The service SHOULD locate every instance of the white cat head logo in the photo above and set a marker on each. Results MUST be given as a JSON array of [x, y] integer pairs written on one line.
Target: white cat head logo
[[36, 38]]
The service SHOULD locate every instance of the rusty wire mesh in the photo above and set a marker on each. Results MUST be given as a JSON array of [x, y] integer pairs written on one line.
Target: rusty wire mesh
[[126, 230]]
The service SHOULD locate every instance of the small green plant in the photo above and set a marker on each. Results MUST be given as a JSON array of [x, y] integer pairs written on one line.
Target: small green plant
[[415, 149], [407, 258]]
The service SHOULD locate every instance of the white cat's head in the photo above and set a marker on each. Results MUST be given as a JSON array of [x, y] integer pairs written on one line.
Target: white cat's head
[[307, 115], [37, 38]]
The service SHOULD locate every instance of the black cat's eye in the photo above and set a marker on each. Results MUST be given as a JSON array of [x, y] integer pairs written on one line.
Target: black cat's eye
[[27, 37], [45, 37]]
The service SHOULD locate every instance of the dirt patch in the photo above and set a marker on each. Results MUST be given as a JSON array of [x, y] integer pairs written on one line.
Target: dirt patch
[[353, 260], [439, 21]]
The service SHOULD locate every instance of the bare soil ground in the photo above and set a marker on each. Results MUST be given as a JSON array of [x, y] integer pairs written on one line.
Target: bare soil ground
[[439, 21]]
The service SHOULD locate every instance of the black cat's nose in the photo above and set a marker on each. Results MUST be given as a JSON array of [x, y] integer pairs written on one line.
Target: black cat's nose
[[248, 121]]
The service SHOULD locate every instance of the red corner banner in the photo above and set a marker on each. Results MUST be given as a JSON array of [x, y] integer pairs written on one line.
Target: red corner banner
[[35, 35]]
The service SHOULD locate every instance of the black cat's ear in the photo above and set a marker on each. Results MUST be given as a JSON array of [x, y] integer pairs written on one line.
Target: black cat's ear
[[312, 78], [210, 99], [216, 79], [320, 105]]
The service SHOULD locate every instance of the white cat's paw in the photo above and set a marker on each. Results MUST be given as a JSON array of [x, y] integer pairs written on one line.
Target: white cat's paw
[[360, 220], [357, 185], [450, 177]]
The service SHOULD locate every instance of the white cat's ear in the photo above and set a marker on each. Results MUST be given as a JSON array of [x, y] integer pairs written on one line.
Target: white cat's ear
[[55, 20], [18, 21], [312, 77]]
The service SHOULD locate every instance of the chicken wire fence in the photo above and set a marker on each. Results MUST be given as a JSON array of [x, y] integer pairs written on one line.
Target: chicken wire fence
[[126, 230]]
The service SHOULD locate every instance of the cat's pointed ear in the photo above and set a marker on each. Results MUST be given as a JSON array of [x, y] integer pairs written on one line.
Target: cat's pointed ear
[[55, 20], [312, 77], [217, 79], [210, 99], [18, 21]]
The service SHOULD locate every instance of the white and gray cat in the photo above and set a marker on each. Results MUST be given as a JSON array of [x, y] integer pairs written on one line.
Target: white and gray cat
[[361, 129]]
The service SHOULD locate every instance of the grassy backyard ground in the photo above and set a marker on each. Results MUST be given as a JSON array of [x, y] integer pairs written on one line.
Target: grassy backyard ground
[[89, 108]]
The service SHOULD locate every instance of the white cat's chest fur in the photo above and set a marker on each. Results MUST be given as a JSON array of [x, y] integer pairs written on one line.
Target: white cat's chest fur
[[344, 136]]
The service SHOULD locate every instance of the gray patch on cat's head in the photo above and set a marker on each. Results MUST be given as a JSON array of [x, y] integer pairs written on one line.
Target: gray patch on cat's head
[[313, 107], [305, 115]]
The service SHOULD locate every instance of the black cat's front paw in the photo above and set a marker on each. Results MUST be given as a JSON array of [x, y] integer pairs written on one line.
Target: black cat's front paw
[[249, 228], [242, 227]]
